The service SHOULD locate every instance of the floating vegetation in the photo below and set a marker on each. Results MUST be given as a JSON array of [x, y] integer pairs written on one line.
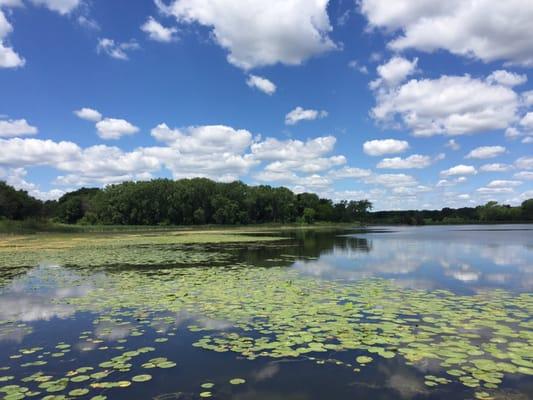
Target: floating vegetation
[[91, 250], [274, 313]]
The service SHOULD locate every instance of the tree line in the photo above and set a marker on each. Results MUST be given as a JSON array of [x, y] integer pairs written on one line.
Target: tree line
[[202, 201], [182, 202]]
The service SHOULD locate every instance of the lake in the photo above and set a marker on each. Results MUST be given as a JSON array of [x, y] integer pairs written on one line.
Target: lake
[[380, 313]]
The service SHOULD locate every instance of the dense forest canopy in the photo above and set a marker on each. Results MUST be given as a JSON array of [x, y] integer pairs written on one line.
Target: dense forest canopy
[[202, 201]]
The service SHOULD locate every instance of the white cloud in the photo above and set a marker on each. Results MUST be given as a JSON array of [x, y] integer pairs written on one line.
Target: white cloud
[[88, 114], [507, 78], [525, 175], [527, 121], [213, 151], [459, 170], [116, 50], [385, 146], [18, 127], [392, 180], [306, 165], [30, 152], [112, 128], [61, 6], [261, 84], [394, 72], [158, 32], [413, 161], [350, 173], [276, 150], [300, 114], [299, 183], [8, 57], [503, 184], [88, 23], [258, 33], [16, 177], [204, 139], [96, 164], [452, 144], [496, 167], [354, 64], [11, 3], [524, 163], [527, 98], [485, 152], [481, 29], [450, 105], [512, 133], [498, 187]]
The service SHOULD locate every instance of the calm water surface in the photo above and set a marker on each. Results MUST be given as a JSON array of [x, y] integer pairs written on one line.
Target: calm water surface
[[56, 319]]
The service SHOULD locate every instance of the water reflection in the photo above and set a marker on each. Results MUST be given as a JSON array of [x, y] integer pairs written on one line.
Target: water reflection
[[431, 257]]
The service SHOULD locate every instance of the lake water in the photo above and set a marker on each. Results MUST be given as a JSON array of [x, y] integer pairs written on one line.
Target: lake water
[[383, 313]]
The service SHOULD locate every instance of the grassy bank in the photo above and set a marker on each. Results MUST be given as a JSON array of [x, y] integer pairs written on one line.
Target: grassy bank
[[9, 227]]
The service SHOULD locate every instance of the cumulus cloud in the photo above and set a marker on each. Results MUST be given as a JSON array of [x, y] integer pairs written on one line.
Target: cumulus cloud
[[297, 163], [16, 177], [459, 170], [17, 127], [452, 144], [350, 173], [527, 98], [95, 164], [8, 57], [277, 150], [499, 187], [116, 50], [61, 6], [306, 165], [507, 78], [496, 167], [158, 32], [527, 121], [112, 128], [313, 182], [394, 71], [481, 29], [262, 84], [19, 152], [413, 161], [354, 64], [257, 33], [449, 105], [524, 175], [88, 114], [524, 163], [385, 146], [392, 180], [512, 133], [300, 114], [213, 151], [484, 152], [503, 183]]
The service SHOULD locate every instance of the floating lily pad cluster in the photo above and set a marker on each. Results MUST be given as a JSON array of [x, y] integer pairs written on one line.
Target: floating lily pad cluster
[[277, 313], [119, 249]]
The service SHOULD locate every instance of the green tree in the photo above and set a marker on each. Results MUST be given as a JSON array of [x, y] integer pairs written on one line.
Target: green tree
[[309, 215]]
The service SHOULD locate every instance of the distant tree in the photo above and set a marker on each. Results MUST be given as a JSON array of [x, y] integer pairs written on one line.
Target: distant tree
[[18, 204], [199, 216], [527, 209], [309, 215]]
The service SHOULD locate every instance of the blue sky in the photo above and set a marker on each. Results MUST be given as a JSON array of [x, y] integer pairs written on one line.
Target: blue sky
[[410, 104]]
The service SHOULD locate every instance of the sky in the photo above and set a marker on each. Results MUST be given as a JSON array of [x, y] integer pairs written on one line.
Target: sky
[[410, 104]]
